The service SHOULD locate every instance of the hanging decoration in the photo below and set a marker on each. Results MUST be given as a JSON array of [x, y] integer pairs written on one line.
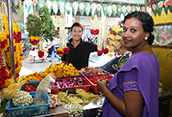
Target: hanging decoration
[[119, 10], [114, 9], [49, 5], [21, 10], [99, 39], [149, 10], [133, 8], [93, 8], [154, 8], [68, 7], [143, 9], [160, 5], [109, 10], [162, 35], [115, 43], [82, 8], [75, 7], [99, 8], [137, 8], [55, 7], [105, 9], [28, 4], [124, 10], [6, 77], [105, 49], [128, 9], [41, 3], [16, 4], [61, 7], [63, 49], [35, 4], [87, 8], [166, 6], [1, 23]]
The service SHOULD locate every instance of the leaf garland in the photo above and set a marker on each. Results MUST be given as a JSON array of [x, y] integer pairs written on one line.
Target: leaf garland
[[48, 27], [34, 25]]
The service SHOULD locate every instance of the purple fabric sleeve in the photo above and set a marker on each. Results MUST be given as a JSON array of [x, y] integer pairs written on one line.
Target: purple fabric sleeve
[[130, 81]]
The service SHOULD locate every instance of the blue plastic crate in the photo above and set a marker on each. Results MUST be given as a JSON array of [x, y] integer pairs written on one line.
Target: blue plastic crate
[[28, 110]]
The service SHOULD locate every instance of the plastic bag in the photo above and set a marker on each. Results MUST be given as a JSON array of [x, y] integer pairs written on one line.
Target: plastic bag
[[42, 90]]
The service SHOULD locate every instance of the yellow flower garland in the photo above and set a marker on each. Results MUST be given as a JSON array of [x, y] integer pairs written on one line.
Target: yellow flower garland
[[18, 57]]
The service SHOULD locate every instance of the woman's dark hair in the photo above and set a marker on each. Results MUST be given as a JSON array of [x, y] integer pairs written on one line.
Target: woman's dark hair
[[76, 24], [147, 23]]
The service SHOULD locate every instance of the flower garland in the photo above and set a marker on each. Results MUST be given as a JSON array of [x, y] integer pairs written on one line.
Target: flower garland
[[6, 77], [34, 40], [115, 44], [63, 49]]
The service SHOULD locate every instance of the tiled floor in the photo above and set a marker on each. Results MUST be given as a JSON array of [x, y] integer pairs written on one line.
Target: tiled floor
[[37, 66]]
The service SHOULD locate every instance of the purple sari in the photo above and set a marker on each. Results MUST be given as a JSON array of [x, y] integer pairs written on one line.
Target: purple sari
[[144, 77]]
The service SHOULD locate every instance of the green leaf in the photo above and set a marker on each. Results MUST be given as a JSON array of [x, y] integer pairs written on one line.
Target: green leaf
[[3, 106]]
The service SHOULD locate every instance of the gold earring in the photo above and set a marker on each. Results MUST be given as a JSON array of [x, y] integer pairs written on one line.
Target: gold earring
[[146, 38]]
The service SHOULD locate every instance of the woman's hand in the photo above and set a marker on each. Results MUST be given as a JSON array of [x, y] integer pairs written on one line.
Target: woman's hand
[[102, 84]]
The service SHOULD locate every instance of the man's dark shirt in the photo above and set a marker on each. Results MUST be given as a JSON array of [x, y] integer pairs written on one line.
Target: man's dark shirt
[[79, 56]]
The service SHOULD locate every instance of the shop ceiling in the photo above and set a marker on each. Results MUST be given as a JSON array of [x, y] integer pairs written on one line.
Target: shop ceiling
[[125, 1]]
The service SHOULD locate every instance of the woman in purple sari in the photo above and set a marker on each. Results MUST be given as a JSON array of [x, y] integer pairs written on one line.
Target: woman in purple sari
[[133, 91]]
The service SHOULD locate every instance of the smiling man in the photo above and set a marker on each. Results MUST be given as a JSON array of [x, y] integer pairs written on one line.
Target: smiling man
[[79, 50]]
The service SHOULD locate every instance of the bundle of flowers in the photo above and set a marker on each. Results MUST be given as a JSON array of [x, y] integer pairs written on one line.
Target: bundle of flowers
[[115, 43], [62, 70], [36, 76], [6, 78]]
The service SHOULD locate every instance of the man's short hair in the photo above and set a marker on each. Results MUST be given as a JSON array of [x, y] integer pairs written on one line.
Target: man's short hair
[[76, 24]]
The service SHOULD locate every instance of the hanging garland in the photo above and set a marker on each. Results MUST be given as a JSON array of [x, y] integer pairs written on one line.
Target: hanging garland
[[63, 49], [6, 77]]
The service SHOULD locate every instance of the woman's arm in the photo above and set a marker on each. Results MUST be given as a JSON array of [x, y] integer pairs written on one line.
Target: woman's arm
[[132, 104]]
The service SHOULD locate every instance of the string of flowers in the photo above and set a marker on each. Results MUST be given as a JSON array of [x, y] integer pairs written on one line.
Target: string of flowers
[[34, 40], [63, 49], [6, 77]]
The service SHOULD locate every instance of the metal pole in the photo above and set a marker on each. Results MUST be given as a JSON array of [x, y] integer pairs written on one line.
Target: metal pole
[[11, 39]]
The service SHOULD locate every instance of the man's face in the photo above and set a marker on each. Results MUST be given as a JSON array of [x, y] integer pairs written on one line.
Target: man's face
[[76, 33]]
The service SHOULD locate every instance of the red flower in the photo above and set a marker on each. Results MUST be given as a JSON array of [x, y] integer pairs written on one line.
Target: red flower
[[2, 82], [34, 42], [14, 36], [17, 75], [99, 52], [57, 32], [105, 51], [3, 44], [94, 32], [59, 52], [66, 50], [8, 36], [40, 54]]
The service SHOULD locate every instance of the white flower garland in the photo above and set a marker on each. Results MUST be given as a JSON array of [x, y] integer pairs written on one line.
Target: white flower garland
[[1, 23], [99, 38], [62, 33], [105, 32]]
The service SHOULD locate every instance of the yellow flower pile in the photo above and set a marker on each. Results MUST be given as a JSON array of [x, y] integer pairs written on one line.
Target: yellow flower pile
[[62, 70]]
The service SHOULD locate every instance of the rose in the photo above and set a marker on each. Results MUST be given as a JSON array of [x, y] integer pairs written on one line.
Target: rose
[[66, 50], [105, 51], [99, 52], [40, 54]]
